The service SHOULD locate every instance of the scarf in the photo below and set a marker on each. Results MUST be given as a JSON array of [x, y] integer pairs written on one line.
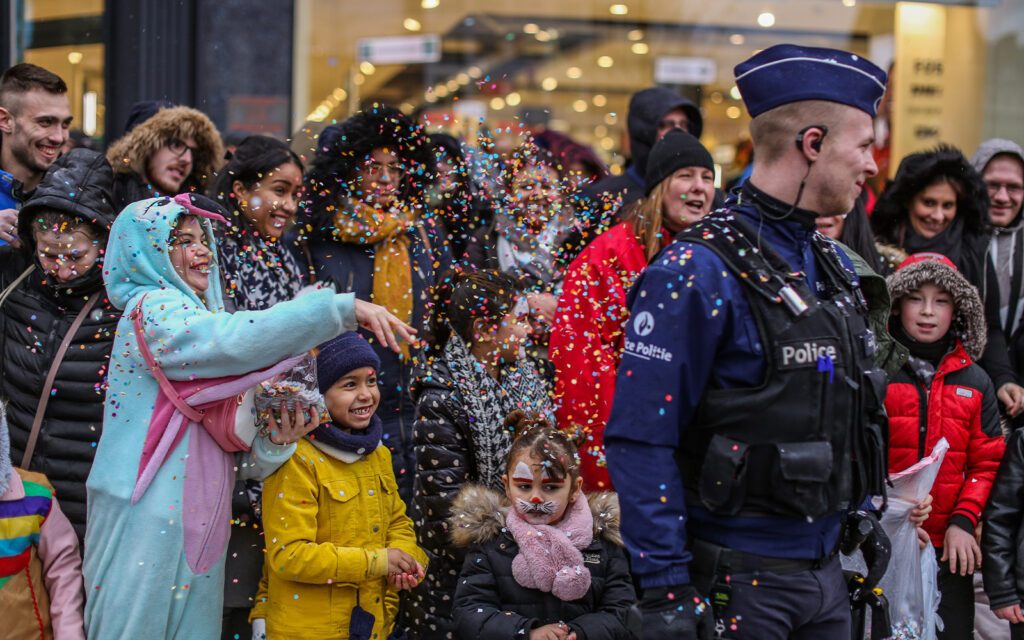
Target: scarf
[[388, 233], [487, 401], [258, 272], [924, 356], [359, 442], [549, 557], [1005, 248], [949, 243]]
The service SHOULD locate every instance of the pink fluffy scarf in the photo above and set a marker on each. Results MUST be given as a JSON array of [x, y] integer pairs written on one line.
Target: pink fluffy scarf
[[549, 557]]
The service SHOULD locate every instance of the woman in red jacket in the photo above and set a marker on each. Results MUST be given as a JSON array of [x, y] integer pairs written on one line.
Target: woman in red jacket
[[588, 330], [941, 393]]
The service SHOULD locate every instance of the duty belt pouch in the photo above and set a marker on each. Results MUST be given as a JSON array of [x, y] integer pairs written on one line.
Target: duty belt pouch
[[802, 483], [871, 452], [723, 476]]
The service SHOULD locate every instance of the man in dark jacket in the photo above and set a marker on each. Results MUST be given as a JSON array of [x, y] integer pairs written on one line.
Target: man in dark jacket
[[48, 285], [652, 113], [745, 418], [34, 120]]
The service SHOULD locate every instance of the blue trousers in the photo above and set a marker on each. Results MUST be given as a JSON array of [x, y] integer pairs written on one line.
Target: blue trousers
[[805, 605]]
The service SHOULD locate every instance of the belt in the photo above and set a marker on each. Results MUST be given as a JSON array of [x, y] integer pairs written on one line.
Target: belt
[[711, 559]]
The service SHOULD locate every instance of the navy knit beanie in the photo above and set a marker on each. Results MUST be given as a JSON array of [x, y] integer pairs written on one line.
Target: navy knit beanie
[[339, 356]]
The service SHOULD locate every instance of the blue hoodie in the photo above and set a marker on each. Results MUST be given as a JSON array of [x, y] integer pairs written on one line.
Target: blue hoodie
[[138, 580]]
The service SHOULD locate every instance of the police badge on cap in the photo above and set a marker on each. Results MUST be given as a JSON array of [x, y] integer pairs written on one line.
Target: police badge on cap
[[789, 73]]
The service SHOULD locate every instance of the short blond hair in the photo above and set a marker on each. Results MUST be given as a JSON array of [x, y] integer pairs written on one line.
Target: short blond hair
[[774, 132]]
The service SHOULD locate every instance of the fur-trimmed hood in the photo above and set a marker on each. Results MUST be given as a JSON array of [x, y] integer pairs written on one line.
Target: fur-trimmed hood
[[130, 153], [891, 214], [969, 313], [478, 516]]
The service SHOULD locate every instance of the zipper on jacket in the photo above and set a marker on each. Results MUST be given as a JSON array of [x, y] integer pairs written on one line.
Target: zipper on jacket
[[922, 416]]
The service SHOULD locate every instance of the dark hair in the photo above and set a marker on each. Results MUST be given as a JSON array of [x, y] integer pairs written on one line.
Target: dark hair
[[53, 220], [532, 434], [24, 77], [254, 157], [341, 149], [917, 172], [524, 156], [461, 297]]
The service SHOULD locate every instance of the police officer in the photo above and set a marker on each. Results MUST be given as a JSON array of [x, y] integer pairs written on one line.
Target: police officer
[[745, 426]]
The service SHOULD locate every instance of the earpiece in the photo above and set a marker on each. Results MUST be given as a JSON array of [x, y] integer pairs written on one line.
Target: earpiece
[[816, 144]]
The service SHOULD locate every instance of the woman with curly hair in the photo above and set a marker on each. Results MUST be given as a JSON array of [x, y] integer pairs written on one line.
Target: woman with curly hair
[[361, 229], [938, 203]]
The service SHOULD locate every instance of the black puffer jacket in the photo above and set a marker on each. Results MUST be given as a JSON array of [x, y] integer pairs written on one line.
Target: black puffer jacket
[[444, 464], [1002, 537], [489, 603], [33, 322]]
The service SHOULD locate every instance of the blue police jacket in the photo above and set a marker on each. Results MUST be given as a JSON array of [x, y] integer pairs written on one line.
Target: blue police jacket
[[690, 328]]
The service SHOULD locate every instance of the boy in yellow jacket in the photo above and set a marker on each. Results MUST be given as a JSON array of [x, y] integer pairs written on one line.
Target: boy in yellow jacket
[[339, 544]]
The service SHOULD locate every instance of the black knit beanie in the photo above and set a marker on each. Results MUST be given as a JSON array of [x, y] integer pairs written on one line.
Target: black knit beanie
[[677, 149]]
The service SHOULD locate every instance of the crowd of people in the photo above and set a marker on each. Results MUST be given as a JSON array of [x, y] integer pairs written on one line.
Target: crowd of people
[[549, 402]]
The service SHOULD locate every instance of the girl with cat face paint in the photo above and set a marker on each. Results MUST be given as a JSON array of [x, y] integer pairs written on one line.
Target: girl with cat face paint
[[545, 561]]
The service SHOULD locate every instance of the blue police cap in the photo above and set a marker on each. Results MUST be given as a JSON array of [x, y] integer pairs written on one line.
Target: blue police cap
[[790, 73]]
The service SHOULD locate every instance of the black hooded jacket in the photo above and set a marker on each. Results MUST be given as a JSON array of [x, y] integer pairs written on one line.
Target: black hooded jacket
[[1002, 537], [598, 203], [34, 320], [965, 241]]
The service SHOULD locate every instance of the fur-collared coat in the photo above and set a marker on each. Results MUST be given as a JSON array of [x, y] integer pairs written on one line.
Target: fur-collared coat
[[130, 154], [489, 603]]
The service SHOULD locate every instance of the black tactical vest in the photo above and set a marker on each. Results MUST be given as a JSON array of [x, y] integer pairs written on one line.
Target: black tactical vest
[[811, 437]]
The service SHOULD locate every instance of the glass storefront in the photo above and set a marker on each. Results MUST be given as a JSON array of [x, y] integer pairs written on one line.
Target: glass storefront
[[571, 65], [66, 37]]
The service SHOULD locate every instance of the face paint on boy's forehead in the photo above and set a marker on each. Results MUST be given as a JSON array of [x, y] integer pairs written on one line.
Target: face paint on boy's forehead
[[522, 472]]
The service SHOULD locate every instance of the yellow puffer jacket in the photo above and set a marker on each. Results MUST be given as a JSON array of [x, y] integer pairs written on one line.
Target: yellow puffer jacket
[[328, 525]]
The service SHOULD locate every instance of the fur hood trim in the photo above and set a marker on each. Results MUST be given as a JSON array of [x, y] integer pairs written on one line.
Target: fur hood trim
[[478, 516], [969, 313], [130, 153]]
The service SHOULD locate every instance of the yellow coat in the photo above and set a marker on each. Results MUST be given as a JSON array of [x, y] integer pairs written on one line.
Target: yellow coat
[[328, 525]]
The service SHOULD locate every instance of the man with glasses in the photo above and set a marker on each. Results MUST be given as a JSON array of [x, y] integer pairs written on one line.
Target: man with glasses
[[1001, 165], [175, 150]]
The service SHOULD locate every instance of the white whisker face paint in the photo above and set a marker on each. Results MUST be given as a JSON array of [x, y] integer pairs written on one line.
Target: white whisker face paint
[[545, 508]]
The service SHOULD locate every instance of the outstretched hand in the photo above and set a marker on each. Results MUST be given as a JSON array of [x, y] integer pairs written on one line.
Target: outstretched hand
[[384, 325]]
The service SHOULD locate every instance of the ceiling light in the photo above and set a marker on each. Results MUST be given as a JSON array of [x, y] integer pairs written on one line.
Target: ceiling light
[[475, 72], [497, 103], [640, 48], [440, 91], [543, 36], [611, 118], [359, 79], [530, 28], [462, 78], [452, 85], [605, 62], [618, 9], [74, 57], [430, 97], [636, 34], [430, 4], [339, 94], [735, 92], [849, 3], [737, 39], [600, 131], [607, 143], [579, 106], [599, 100], [733, 112], [549, 84], [407, 107], [513, 99], [412, 24], [574, 72], [766, 19], [716, 97], [367, 68]]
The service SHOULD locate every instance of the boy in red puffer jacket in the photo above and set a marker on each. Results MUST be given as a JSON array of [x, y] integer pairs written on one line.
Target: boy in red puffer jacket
[[941, 393]]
